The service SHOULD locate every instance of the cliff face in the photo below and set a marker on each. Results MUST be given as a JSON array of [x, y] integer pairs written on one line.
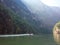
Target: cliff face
[[6, 24]]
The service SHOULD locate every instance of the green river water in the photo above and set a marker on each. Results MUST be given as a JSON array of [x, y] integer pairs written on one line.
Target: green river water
[[45, 39]]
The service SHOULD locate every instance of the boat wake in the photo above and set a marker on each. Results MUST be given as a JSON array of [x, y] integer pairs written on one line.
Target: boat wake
[[16, 35]]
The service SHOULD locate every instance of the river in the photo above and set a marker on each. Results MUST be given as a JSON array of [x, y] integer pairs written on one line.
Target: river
[[43, 39]]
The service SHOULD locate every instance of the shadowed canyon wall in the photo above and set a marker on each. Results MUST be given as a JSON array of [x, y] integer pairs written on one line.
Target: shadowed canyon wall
[[6, 24]]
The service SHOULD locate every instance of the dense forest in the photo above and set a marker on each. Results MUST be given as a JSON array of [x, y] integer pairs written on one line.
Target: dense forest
[[21, 19], [11, 23]]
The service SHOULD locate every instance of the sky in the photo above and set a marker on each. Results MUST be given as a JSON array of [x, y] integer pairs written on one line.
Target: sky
[[47, 2], [51, 2], [35, 6]]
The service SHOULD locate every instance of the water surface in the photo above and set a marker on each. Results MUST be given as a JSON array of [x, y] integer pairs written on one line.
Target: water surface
[[28, 40]]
